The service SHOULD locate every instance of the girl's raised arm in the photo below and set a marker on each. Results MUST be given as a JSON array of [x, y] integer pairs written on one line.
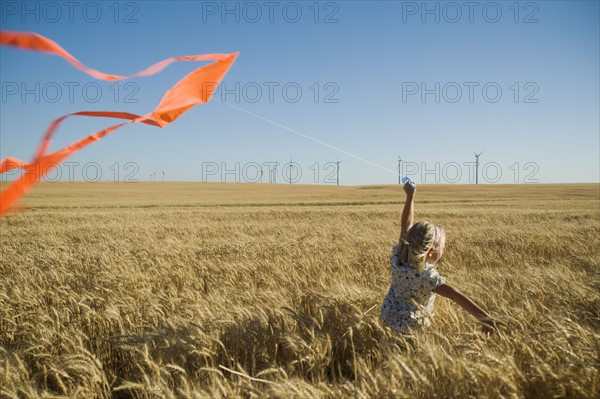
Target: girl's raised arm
[[408, 212]]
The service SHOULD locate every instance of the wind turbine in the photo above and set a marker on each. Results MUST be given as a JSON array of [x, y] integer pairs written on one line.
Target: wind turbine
[[261, 172], [163, 175], [275, 171], [399, 170], [337, 172], [477, 167]]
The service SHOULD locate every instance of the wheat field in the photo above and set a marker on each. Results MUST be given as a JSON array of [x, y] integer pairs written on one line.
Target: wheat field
[[192, 290]]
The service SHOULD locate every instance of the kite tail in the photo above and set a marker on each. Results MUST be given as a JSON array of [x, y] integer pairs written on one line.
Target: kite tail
[[195, 88]]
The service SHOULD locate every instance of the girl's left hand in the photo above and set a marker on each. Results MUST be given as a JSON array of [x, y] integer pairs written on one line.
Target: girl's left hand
[[409, 188], [489, 327]]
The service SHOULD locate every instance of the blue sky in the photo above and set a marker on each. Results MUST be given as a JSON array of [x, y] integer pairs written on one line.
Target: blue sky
[[366, 80]]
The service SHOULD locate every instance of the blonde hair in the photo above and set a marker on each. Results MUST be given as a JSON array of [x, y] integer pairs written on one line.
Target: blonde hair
[[419, 239]]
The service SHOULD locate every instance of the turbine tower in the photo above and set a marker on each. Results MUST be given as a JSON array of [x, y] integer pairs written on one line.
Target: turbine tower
[[337, 173], [399, 170], [477, 167], [163, 175]]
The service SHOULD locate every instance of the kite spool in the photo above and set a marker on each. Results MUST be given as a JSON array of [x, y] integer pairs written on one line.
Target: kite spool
[[405, 180]]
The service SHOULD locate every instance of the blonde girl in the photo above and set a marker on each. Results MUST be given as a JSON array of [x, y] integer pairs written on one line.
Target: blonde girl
[[415, 280]]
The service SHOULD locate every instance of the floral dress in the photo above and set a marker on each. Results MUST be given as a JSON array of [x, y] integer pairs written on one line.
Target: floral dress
[[409, 302]]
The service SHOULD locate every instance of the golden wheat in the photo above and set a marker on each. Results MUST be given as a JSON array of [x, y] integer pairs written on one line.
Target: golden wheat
[[184, 290]]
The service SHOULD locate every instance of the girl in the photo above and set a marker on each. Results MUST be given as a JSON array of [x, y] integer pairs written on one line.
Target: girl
[[415, 281]]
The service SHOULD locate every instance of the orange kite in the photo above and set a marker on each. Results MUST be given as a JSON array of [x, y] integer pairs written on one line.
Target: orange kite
[[196, 88]]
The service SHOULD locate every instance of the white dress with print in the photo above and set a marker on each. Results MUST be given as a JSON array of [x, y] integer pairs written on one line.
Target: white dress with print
[[409, 302]]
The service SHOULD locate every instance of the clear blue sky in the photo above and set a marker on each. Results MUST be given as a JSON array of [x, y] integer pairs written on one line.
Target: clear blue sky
[[361, 67]]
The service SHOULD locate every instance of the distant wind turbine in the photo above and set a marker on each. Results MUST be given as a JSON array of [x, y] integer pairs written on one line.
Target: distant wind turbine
[[399, 170], [337, 172], [477, 167]]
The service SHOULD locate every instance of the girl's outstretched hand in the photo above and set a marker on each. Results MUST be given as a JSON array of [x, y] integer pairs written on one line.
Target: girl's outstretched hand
[[489, 326]]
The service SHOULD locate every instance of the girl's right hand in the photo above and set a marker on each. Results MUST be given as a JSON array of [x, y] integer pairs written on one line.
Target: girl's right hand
[[489, 327]]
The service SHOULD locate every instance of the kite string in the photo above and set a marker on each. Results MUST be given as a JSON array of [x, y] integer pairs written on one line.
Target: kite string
[[306, 136]]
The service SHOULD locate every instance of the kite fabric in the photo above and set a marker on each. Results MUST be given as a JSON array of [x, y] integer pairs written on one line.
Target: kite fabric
[[195, 88]]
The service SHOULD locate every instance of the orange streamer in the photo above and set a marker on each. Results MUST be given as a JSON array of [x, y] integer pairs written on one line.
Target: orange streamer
[[195, 88]]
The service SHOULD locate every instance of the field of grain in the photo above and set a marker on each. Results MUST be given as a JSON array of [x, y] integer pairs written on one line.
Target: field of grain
[[191, 290]]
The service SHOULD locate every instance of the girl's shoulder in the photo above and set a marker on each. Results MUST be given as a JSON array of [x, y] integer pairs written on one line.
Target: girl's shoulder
[[431, 273], [429, 268]]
